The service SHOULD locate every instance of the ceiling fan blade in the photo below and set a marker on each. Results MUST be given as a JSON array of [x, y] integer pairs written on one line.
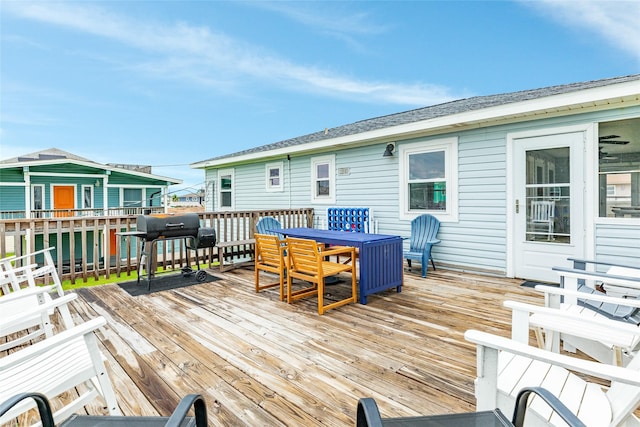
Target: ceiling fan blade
[[609, 137], [614, 142]]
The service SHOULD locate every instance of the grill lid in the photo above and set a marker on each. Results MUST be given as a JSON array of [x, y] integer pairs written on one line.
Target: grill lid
[[157, 226]]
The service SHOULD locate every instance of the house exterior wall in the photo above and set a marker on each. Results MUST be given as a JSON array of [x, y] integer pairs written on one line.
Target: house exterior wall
[[12, 185], [478, 239]]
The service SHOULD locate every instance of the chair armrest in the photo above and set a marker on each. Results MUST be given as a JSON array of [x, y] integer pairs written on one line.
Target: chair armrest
[[51, 342], [577, 261], [563, 314], [36, 309], [337, 250], [609, 372], [25, 293], [44, 408], [180, 413], [552, 290], [612, 279], [14, 258], [558, 407], [368, 414]]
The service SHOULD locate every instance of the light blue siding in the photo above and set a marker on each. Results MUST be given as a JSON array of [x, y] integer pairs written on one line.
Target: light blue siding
[[478, 240]]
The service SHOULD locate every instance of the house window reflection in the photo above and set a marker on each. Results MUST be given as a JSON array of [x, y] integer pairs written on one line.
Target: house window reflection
[[619, 169]]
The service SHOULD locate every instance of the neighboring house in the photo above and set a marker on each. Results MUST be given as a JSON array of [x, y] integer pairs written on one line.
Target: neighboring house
[[520, 181], [188, 200], [54, 183]]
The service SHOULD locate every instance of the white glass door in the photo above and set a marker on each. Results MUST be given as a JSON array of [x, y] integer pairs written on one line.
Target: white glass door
[[549, 211]]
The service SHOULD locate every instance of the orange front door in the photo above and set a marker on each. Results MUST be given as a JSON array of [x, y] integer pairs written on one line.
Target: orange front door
[[63, 198]]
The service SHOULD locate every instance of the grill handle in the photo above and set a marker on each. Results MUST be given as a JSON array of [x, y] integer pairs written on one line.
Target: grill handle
[[176, 225]]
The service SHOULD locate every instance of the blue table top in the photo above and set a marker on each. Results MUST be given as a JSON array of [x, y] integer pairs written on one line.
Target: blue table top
[[314, 233]]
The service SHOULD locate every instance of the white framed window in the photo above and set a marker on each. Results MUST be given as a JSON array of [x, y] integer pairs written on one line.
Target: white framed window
[[274, 176], [37, 197], [87, 196], [225, 189], [323, 181], [429, 179]]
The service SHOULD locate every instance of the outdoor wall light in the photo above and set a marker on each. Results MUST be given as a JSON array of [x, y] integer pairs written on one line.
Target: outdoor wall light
[[388, 152]]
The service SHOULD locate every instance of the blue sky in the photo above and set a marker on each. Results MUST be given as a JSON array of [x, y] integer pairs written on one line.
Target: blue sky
[[169, 83]]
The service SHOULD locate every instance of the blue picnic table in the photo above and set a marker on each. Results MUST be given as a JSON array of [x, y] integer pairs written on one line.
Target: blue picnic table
[[380, 256]]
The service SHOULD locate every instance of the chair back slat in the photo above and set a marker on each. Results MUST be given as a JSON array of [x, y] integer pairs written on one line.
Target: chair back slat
[[424, 229], [268, 249], [267, 224], [303, 256]]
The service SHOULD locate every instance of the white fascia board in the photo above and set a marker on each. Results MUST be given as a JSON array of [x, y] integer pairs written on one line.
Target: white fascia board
[[627, 93], [87, 164]]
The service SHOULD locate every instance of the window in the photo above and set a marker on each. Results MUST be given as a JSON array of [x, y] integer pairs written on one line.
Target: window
[[429, 179], [619, 169], [225, 184], [37, 197], [131, 198], [323, 179], [274, 177], [87, 197]]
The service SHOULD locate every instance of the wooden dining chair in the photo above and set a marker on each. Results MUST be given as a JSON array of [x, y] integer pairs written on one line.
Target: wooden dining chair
[[270, 257], [307, 262]]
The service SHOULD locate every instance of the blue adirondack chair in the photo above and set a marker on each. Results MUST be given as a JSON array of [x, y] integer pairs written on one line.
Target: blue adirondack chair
[[423, 236], [267, 224]]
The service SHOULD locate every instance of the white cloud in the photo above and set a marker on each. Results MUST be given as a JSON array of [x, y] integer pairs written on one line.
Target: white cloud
[[216, 60], [617, 21]]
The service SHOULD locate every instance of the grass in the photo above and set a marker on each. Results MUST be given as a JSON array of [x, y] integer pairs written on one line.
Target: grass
[[102, 280]]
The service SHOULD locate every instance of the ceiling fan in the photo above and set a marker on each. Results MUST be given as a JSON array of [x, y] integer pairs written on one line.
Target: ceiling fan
[[611, 139]]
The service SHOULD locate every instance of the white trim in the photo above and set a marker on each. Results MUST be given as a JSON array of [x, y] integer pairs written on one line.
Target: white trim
[[82, 190], [450, 147], [221, 173], [594, 99], [590, 136], [330, 160], [32, 198], [90, 164], [274, 188]]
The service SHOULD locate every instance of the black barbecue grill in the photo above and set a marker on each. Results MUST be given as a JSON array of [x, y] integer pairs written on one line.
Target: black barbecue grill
[[152, 228]]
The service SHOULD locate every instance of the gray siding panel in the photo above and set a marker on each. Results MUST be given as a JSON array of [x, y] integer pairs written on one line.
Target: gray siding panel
[[618, 243]]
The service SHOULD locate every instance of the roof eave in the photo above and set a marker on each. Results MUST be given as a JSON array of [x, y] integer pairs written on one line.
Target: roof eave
[[90, 164], [599, 98]]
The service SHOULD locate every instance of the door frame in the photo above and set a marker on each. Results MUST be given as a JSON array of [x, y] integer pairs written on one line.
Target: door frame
[[589, 186]]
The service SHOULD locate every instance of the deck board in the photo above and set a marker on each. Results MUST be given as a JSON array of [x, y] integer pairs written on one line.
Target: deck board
[[261, 362]]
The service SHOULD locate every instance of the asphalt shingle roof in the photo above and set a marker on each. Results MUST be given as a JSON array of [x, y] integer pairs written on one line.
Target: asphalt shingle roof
[[431, 112]]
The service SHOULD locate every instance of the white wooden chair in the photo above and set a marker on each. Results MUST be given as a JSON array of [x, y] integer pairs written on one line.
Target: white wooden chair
[[543, 213], [26, 314], [46, 271], [17, 272], [505, 366], [604, 339], [67, 362], [578, 295]]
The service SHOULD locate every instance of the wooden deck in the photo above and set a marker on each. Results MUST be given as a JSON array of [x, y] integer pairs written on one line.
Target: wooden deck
[[261, 362]]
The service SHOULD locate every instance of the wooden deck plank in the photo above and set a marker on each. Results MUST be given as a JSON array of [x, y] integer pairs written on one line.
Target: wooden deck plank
[[260, 361]]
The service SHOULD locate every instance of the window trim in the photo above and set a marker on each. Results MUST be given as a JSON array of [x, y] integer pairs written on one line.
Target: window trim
[[274, 188], [33, 196], [90, 188], [221, 173], [331, 161], [450, 148]]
